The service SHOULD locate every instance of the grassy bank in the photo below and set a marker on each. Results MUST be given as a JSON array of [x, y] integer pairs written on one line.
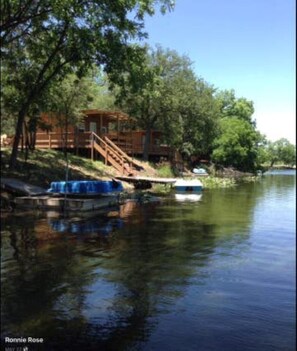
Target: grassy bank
[[46, 166]]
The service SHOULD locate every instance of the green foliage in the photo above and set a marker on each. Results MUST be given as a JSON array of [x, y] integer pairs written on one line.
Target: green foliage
[[200, 119], [231, 106], [164, 93], [78, 94], [152, 92], [165, 171], [43, 41], [281, 151], [8, 123], [215, 182], [237, 145]]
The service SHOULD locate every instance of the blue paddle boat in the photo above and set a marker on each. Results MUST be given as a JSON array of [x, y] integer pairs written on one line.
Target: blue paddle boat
[[87, 188]]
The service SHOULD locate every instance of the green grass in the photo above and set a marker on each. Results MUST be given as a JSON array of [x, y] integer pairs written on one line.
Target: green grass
[[165, 171], [45, 166], [215, 182]]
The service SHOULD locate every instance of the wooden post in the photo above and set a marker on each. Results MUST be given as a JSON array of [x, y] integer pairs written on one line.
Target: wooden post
[[92, 146], [118, 128], [75, 136], [100, 130], [49, 140]]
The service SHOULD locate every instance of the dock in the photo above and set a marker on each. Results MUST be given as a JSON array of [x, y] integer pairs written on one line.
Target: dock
[[146, 182], [65, 204], [31, 197], [19, 187]]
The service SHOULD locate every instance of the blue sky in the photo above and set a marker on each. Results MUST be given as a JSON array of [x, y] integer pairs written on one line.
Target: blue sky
[[245, 45]]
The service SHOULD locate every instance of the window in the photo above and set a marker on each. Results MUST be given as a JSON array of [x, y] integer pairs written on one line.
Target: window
[[81, 127]]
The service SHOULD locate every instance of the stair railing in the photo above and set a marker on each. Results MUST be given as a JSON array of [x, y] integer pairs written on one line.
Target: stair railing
[[110, 150], [119, 151]]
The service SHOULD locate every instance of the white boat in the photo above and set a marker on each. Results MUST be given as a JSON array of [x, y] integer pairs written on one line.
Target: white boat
[[200, 171], [188, 186]]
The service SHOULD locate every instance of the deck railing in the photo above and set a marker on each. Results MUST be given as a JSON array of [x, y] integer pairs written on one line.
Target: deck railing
[[54, 140], [82, 140]]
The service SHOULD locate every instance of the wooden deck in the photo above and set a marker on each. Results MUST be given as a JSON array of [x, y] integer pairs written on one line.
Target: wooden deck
[[148, 179], [83, 140], [146, 182]]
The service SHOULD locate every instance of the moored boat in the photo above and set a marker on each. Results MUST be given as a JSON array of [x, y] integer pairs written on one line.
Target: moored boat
[[75, 195], [188, 185], [86, 188], [200, 171]]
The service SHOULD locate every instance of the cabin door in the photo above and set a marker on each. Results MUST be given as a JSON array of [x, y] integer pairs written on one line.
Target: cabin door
[[93, 127]]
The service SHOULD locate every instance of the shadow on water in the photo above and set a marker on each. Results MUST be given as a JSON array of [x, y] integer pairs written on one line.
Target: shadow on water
[[102, 283]]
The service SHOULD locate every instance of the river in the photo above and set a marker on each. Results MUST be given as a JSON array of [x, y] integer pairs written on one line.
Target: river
[[213, 274]]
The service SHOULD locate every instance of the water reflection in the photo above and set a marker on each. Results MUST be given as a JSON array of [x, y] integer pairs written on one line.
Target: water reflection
[[93, 225], [188, 197], [53, 279], [104, 282]]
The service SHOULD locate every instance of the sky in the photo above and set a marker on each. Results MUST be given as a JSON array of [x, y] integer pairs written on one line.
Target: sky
[[245, 45]]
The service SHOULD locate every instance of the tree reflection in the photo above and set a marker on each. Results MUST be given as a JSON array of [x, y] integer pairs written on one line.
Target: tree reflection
[[91, 290]]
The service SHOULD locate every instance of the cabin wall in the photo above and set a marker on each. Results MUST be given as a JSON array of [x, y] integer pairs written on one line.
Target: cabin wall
[[139, 137], [131, 141], [52, 121], [101, 123]]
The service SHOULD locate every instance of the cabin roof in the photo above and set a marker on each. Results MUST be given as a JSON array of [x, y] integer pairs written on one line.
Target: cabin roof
[[112, 115]]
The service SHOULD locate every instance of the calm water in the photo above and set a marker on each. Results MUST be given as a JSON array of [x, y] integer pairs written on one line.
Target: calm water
[[213, 274]]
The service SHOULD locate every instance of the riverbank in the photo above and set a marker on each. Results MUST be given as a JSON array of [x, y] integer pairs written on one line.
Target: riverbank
[[45, 166]]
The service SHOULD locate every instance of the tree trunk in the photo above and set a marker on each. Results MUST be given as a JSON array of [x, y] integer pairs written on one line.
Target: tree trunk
[[147, 142], [17, 137]]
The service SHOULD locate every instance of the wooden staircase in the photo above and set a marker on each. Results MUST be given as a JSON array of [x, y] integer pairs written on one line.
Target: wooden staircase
[[113, 155]]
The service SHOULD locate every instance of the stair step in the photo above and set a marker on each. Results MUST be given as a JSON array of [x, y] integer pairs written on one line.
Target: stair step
[[116, 159]]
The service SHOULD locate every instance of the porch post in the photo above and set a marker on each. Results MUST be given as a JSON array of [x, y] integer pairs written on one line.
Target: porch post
[[92, 146], [118, 127], [100, 130]]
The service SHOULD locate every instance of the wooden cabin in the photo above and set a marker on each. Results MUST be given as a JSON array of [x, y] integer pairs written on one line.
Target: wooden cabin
[[117, 126]]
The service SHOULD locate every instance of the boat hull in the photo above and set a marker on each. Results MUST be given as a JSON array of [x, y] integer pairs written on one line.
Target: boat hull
[[188, 186], [188, 189], [63, 204]]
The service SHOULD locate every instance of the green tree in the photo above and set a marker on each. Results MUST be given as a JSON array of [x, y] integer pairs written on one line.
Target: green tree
[[231, 106], [164, 93], [77, 94], [149, 92], [200, 119], [44, 41], [237, 145], [281, 151]]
